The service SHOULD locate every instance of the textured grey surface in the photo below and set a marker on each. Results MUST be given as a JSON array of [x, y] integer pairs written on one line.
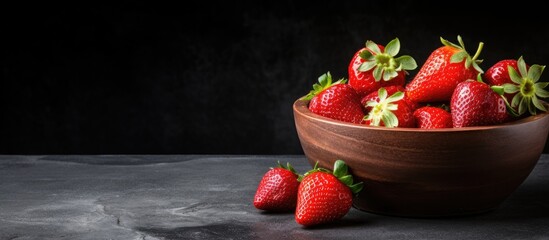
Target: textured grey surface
[[210, 197]]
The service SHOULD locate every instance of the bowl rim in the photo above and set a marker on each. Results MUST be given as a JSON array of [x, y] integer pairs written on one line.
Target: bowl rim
[[300, 107]]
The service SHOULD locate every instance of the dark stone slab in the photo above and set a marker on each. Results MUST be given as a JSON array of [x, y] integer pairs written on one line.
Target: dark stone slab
[[210, 197]]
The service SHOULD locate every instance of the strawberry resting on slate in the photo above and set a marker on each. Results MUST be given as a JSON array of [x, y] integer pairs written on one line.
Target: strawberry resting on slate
[[325, 196], [277, 190], [378, 94], [319, 196]]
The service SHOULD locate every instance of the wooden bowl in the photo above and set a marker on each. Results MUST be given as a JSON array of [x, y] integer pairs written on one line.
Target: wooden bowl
[[426, 173]]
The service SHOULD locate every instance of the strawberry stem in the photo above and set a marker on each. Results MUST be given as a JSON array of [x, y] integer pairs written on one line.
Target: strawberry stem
[[479, 49]]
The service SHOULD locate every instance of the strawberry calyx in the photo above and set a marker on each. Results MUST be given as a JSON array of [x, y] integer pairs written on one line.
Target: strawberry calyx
[[382, 109], [324, 82], [384, 63], [288, 167], [341, 172], [462, 54], [527, 88]]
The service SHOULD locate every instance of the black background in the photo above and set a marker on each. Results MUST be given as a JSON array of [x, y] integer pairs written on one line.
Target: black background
[[210, 78]]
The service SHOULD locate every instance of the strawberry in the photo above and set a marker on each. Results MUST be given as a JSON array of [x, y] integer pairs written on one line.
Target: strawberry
[[474, 103], [375, 66], [324, 196], [432, 117], [393, 111], [498, 74], [338, 101], [277, 190], [442, 71], [522, 87]]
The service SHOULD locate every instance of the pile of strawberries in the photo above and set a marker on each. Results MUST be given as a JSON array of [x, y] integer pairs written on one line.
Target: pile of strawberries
[[319, 196], [377, 92]]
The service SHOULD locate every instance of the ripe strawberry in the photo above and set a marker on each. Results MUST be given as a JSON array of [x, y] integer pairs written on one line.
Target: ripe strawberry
[[375, 66], [474, 103], [521, 88], [393, 111], [443, 70], [324, 196], [338, 101], [432, 117], [277, 190], [498, 74]]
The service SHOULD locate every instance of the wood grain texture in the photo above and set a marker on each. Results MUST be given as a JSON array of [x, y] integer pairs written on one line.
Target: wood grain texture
[[426, 173]]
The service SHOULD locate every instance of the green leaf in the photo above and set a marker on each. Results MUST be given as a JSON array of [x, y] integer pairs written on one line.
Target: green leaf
[[515, 77], [366, 66], [531, 107], [522, 67], [371, 103], [382, 94], [357, 187], [523, 105], [542, 93], [392, 107], [366, 55], [340, 81], [541, 85], [373, 47], [498, 89], [460, 41], [448, 43], [510, 88], [407, 62], [393, 47], [395, 97], [389, 74], [389, 119], [325, 79], [510, 110], [538, 104], [477, 67], [378, 72], [340, 168], [458, 57], [373, 120], [535, 71], [468, 62], [347, 180], [479, 78], [516, 100]]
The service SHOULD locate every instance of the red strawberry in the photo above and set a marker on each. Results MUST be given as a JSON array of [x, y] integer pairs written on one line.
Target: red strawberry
[[375, 66], [432, 117], [444, 69], [324, 196], [338, 101], [498, 74], [476, 104], [393, 111], [521, 88], [277, 190]]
